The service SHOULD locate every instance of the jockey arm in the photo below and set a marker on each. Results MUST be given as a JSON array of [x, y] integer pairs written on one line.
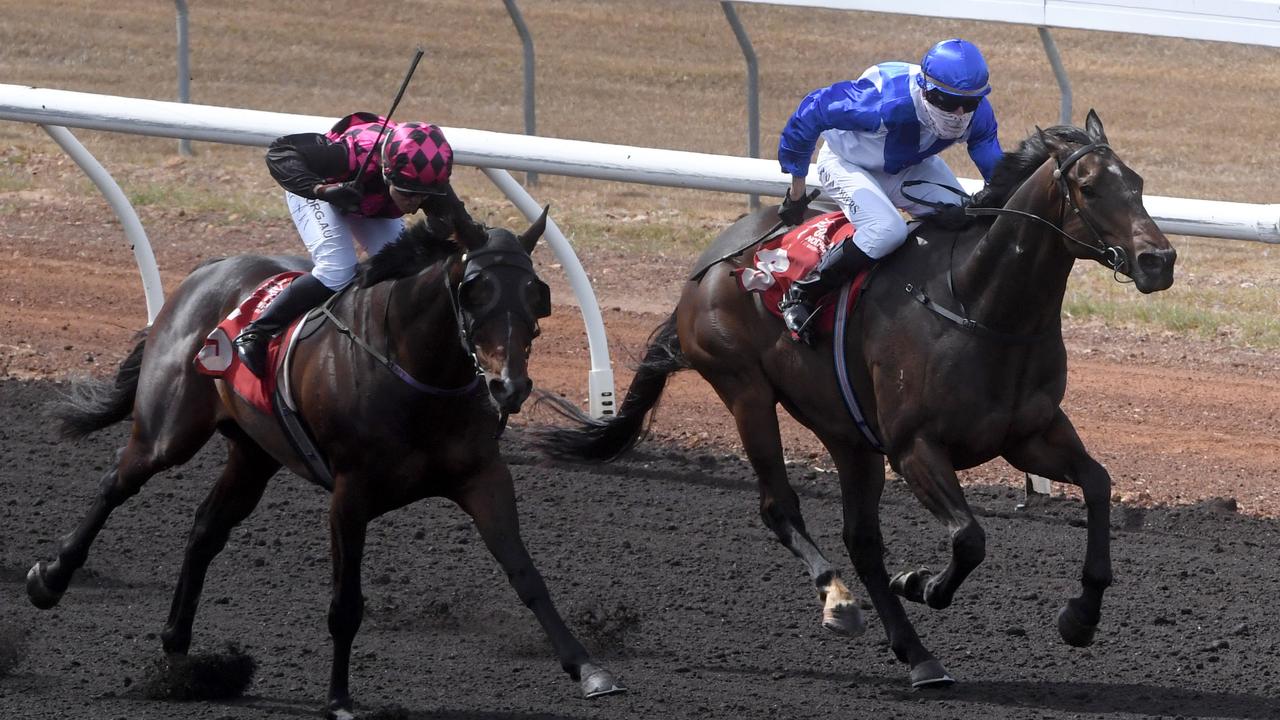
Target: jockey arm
[[984, 145], [301, 162], [846, 105]]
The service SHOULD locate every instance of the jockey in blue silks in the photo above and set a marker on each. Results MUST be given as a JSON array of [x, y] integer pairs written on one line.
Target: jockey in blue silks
[[883, 130]]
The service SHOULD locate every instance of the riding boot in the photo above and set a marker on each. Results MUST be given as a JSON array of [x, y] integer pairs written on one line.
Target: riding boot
[[304, 293], [800, 303]]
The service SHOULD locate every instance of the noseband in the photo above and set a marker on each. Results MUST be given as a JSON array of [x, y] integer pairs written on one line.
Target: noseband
[[1113, 256]]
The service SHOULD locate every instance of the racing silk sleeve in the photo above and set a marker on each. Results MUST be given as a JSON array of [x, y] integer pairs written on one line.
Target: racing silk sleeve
[[846, 105], [300, 162], [984, 146]]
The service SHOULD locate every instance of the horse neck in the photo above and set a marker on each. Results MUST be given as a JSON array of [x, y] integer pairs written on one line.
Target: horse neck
[[421, 328], [1016, 276]]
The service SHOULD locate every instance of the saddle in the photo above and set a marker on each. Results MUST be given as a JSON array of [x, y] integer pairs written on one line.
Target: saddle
[[218, 357], [783, 260], [272, 395]]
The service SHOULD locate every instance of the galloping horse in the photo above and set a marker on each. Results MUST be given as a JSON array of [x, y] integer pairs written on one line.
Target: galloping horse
[[956, 356], [392, 390]]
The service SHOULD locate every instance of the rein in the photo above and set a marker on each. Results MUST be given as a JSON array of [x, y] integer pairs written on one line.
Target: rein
[[1113, 256], [388, 360]]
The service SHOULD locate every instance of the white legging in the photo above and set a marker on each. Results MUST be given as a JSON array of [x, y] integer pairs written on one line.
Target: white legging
[[330, 237], [871, 199]]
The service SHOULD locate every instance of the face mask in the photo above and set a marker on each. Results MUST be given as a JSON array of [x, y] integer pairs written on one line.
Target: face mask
[[947, 125]]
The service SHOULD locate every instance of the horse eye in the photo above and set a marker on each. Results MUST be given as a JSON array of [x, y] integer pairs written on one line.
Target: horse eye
[[1088, 191], [477, 292]]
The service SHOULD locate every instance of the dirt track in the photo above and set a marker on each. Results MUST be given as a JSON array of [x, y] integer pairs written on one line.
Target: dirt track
[[660, 563], [662, 567]]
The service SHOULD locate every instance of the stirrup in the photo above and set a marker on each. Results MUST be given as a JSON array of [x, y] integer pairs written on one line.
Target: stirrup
[[800, 332]]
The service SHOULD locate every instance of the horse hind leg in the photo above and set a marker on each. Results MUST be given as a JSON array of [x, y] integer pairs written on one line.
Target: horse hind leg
[[756, 416], [489, 498], [233, 498], [181, 412]]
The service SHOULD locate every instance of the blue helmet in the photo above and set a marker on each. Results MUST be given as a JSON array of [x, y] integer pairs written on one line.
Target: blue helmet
[[954, 67]]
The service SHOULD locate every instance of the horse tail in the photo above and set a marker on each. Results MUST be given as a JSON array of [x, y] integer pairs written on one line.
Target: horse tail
[[95, 404], [602, 440]]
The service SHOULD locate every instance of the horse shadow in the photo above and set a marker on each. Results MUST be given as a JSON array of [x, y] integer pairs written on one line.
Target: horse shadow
[[305, 709], [1093, 698]]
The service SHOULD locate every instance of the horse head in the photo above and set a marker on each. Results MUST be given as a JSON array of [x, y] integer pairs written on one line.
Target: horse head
[[1103, 214], [500, 299]]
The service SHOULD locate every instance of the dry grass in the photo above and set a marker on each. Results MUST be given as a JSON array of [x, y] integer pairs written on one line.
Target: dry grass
[[1192, 117]]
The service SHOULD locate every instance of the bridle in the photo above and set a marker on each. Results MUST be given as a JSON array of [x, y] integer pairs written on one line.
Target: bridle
[[1113, 256], [475, 265]]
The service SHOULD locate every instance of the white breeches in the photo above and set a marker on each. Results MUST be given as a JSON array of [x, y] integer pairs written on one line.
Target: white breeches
[[871, 199], [330, 237]]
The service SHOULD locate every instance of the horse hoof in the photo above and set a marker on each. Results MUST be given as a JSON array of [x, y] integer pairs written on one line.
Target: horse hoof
[[844, 619], [340, 713], [930, 674], [910, 584], [1075, 631], [597, 682], [37, 591]]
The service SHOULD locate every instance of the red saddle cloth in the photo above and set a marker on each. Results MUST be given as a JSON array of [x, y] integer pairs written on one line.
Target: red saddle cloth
[[782, 261], [218, 357]]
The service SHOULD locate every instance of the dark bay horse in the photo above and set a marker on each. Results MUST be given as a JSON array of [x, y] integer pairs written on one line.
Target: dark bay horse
[[392, 431], [955, 352]]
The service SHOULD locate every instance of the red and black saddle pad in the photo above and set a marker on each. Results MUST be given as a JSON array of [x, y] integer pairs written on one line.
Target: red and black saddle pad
[[218, 357], [780, 262]]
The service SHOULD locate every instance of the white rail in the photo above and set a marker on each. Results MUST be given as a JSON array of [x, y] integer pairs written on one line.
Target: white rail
[[481, 148]]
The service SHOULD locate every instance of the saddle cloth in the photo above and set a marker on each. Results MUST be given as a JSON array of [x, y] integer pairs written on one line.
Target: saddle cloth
[[218, 357], [780, 262]]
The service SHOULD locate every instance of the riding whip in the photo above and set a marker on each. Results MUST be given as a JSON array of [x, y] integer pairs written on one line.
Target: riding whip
[[413, 65]]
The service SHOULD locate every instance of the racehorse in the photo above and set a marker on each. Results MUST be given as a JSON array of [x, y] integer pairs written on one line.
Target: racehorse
[[392, 389], [955, 354]]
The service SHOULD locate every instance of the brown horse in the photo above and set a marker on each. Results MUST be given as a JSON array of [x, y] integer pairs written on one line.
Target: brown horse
[[392, 431], [955, 352]]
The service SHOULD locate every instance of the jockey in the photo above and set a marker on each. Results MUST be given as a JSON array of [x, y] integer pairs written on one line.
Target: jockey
[[883, 130], [333, 210]]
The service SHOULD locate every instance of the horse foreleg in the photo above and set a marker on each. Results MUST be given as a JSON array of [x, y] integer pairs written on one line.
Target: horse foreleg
[[932, 478], [135, 463], [232, 498], [1059, 455], [756, 416], [489, 498], [861, 483], [348, 523]]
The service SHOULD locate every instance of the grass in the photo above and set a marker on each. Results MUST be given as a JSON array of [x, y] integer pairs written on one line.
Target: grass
[[233, 204], [658, 73]]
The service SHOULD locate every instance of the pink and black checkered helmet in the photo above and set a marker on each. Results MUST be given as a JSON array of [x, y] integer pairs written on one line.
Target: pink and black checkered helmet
[[417, 159]]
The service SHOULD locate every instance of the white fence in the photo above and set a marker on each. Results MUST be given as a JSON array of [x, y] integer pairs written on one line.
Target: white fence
[[497, 153]]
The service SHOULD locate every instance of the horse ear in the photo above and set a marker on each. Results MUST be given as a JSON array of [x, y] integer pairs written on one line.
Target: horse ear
[[530, 236], [1093, 126]]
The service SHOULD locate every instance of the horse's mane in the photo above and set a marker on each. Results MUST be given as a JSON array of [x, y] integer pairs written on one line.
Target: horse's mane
[[1017, 165], [419, 246]]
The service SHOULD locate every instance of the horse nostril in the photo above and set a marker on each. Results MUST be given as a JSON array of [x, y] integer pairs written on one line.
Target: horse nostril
[[1155, 262]]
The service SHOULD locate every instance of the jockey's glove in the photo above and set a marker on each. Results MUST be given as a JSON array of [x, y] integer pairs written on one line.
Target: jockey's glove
[[344, 196], [791, 211], [952, 217]]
